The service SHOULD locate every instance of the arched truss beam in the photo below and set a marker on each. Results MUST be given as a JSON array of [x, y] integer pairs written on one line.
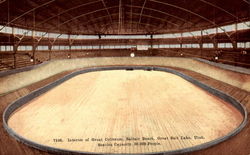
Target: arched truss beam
[[88, 13], [162, 12], [137, 14], [128, 22], [82, 15], [185, 10], [215, 6], [193, 13], [2, 1], [65, 11], [93, 2], [247, 1], [110, 17], [140, 17], [105, 26], [120, 16], [107, 10], [25, 13], [85, 14], [164, 3]]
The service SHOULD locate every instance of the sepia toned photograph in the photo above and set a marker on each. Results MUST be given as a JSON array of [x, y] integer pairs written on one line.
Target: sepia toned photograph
[[121, 77]]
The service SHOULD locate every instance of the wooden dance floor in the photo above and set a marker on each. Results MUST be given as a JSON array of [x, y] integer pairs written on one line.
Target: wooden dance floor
[[122, 111]]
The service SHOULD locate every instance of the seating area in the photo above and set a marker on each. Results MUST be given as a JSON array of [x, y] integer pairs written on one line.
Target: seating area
[[42, 56], [23, 60], [18, 60], [6, 62], [10, 61]]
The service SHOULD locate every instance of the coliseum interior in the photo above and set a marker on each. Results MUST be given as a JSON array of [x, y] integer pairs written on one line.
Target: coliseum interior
[[125, 77]]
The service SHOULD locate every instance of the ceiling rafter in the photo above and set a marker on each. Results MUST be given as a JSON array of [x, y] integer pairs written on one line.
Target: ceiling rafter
[[247, 1], [144, 3], [128, 22], [65, 11], [216, 6], [166, 21], [131, 14], [82, 15], [144, 15], [193, 13], [162, 12], [146, 11], [27, 12], [120, 16], [78, 6], [107, 10], [165, 13], [2, 1], [184, 9]]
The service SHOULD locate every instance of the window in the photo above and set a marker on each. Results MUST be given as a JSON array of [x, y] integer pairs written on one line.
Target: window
[[125, 36], [160, 36], [9, 48], [142, 47], [53, 35], [167, 46], [174, 46], [95, 47], [73, 36], [129, 46], [76, 47], [243, 26], [62, 47], [187, 34], [87, 37], [2, 48], [162, 46], [196, 33], [177, 35], [89, 47], [209, 31], [122, 46], [42, 48], [227, 28], [6, 29], [24, 48], [195, 45], [63, 36], [247, 45], [208, 45], [155, 46], [41, 34], [66, 47], [117, 47], [106, 47], [225, 45], [55, 47], [6, 48], [190, 46], [22, 32], [243, 45]]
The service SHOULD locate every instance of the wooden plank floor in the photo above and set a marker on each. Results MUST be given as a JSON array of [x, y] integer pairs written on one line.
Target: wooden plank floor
[[159, 110], [235, 145]]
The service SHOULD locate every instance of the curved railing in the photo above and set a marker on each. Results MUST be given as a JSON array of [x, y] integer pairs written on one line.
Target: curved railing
[[22, 101]]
